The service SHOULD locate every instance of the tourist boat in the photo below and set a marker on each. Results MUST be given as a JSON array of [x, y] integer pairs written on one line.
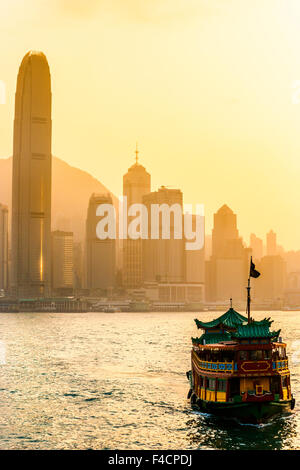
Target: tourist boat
[[240, 367]]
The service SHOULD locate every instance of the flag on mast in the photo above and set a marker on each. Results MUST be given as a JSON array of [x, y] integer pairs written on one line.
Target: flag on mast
[[253, 272]]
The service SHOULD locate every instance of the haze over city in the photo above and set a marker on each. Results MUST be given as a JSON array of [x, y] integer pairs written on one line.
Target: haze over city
[[205, 87], [149, 227]]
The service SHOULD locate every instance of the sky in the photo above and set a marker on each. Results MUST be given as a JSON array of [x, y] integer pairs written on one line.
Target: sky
[[204, 86]]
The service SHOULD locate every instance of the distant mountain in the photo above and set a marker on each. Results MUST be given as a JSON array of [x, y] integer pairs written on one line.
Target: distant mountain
[[71, 190]]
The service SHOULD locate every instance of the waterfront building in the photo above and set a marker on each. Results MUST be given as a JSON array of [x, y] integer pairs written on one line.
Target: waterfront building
[[226, 272], [292, 291], [271, 286], [62, 262], [271, 243], [256, 245], [164, 259], [136, 184], [100, 255], [3, 249], [31, 181]]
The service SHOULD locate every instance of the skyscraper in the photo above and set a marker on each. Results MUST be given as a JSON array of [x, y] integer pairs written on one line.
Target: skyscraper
[[257, 246], [100, 255], [271, 243], [62, 262], [195, 261], [164, 259], [270, 286], [228, 268], [31, 184], [3, 247], [136, 183]]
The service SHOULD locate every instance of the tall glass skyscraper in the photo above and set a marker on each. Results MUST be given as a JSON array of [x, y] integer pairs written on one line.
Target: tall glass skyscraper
[[3, 247], [31, 185]]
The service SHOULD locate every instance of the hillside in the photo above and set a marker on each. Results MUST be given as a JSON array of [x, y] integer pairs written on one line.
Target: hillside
[[71, 190]]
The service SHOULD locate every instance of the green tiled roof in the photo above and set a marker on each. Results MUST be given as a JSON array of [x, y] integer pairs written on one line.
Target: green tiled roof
[[231, 319], [265, 321], [211, 338], [255, 330]]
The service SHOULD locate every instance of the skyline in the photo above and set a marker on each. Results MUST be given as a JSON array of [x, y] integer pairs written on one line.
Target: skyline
[[224, 122]]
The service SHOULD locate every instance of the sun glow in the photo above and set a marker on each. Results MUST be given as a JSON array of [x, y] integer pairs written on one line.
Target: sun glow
[[207, 94]]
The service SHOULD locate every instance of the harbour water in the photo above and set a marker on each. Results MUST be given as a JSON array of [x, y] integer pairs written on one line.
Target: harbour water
[[117, 381]]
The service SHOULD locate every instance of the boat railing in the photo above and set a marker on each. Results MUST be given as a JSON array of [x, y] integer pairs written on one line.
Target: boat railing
[[224, 367], [281, 365]]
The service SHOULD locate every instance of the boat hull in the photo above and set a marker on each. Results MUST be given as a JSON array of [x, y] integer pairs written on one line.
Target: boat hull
[[252, 413]]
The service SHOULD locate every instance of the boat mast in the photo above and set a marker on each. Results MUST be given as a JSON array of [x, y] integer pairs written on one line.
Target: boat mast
[[248, 294]]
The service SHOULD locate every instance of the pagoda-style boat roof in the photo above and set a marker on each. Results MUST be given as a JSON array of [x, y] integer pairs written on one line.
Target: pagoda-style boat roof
[[232, 326], [255, 330], [231, 319], [210, 338]]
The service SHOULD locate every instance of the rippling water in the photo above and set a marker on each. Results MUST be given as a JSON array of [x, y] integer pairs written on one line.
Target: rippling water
[[117, 381]]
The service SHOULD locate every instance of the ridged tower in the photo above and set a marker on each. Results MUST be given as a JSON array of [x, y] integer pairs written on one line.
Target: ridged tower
[[31, 184]]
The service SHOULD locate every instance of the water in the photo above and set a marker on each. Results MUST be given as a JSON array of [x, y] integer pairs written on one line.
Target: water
[[108, 381]]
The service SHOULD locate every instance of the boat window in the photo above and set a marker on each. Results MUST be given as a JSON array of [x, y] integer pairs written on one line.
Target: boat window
[[267, 353], [281, 352], [284, 381], [211, 384], [256, 355], [227, 356], [243, 355], [234, 387], [259, 355], [275, 384], [222, 385]]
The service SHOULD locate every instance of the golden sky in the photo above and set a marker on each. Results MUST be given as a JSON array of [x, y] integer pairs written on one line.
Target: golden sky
[[204, 86]]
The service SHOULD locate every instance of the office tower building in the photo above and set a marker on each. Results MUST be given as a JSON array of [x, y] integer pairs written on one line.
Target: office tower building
[[228, 268], [164, 259], [3, 248], [195, 261], [62, 262], [136, 183], [271, 285], [78, 265], [256, 244], [31, 183], [100, 255], [271, 244]]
